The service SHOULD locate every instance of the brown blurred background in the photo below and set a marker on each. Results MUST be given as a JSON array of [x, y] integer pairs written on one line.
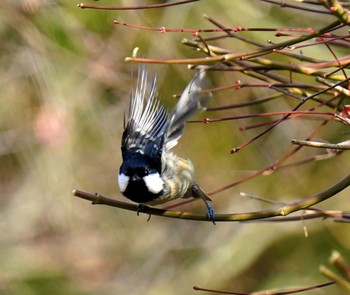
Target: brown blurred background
[[64, 88]]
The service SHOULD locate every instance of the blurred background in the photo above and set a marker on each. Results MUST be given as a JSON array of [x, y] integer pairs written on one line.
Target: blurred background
[[64, 89]]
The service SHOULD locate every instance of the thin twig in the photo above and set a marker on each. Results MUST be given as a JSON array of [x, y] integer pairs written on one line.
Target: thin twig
[[345, 145], [267, 292], [230, 56], [162, 5]]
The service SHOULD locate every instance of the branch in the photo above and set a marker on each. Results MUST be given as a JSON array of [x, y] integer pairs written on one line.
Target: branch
[[345, 145], [335, 7], [285, 292], [284, 210], [231, 56], [342, 266], [84, 6]]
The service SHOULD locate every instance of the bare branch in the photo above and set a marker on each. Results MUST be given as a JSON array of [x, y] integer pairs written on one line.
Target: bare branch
[[284, 210], [85, 6], [345, 145]]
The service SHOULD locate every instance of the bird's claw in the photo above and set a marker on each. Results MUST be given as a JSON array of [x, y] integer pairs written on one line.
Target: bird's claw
[[140, 208], [210, 213]]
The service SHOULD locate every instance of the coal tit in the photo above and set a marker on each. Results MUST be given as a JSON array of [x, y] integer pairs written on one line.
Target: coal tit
[[151, 174]]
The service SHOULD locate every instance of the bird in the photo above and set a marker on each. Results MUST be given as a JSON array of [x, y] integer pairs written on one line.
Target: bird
[[150, 173]]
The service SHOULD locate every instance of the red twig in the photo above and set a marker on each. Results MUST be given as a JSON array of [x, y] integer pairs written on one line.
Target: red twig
[[84, 6]]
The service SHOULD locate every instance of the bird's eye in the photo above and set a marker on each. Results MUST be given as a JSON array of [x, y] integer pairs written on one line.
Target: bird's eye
[[146, 171]]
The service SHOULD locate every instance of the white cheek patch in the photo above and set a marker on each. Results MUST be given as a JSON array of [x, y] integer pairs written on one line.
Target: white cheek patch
[[154, 183], [123, 182]]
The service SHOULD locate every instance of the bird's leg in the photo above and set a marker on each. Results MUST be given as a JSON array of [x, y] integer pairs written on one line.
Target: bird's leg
[[140, 208], [197, 192]]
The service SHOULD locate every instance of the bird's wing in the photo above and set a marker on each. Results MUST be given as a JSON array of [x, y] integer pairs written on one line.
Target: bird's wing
[[191, 101], [147, 119]]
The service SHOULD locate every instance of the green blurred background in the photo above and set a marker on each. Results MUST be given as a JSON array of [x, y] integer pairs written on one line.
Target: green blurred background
[[64, 88]]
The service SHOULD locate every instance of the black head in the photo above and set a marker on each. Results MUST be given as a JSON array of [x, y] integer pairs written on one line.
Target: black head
[[139, 177]]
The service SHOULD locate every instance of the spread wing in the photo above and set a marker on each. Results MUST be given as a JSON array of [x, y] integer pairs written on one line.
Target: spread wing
[[147, 119], [192, 100]]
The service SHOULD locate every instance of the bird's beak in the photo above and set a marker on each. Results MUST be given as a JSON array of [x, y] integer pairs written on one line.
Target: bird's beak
[[135, 178]]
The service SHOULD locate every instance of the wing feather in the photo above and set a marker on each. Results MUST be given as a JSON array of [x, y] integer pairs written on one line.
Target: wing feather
[[147, 120], [149, 128], [192, 100]]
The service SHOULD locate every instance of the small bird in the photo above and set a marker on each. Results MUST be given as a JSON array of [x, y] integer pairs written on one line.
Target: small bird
[[150, 173]]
